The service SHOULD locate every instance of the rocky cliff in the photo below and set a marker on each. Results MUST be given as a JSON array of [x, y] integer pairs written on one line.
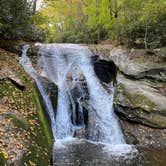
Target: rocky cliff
[[140, 96]]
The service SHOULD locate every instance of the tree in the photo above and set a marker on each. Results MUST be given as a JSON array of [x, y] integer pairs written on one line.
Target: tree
[[14, 17], [132, 22]]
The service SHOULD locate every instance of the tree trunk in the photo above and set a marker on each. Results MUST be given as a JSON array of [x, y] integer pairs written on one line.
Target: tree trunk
[[146, 33], [34, 6], [113, 12], [97, 19], [116, 9], [110, 8]]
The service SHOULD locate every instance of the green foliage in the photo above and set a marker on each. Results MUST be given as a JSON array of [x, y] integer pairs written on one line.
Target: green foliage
[[2, 159], [13, 17], [136, 23], [137, 19], [15, 20]]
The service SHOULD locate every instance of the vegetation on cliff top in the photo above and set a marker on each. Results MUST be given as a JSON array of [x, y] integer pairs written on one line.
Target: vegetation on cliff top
[[15, 20], [137, 23]]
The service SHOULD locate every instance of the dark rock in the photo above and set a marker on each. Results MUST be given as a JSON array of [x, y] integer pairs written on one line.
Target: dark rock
[[158, 74], [77, 92], [51, 90], [94, 58], [106, 71], [137, 115], [131, 138], [86, 119], [80, 133], [19, 86], [78, 95]]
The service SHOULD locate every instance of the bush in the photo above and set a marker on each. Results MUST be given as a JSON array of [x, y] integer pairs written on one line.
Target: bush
[[134, 27]]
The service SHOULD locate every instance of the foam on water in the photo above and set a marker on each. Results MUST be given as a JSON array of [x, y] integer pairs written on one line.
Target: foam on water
[[121, 150], [124, 151]]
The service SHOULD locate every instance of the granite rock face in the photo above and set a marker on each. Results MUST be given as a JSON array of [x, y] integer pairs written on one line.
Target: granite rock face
[[141, 102], [140, 63], [140, 95]]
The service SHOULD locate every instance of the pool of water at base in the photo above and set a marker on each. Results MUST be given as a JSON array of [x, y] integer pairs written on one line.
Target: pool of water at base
[[74, 152]]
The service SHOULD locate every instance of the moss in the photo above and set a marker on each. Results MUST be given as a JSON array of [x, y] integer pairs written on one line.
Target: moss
[[142, 101], [41, 134], [137, 107], [46, 126], [17, 121], [137, 100], [157, 120], [2, 160]]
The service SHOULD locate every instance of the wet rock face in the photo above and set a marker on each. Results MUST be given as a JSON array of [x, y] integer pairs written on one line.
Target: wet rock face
[[140, 64], [140, 102], [106, 71], [140, 93], [51, 90]]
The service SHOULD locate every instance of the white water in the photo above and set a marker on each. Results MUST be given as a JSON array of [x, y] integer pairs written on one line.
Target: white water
[[27, 65], [59, 62]]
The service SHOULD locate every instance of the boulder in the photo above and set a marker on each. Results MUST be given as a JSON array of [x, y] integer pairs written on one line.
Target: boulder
[[140, 102], [145, 136], [140, 93], [135, 63], [139, 63], [141, 89]]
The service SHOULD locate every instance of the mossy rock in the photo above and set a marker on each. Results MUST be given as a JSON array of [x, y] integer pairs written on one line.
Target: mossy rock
[[135, 63], [23, 118], [140, 102], [137, 100]]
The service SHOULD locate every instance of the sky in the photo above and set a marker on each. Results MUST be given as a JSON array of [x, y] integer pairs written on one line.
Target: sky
[[39, 3]]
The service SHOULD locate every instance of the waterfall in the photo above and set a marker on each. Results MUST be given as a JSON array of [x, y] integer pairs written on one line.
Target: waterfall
[[79, 91], [27, 65]]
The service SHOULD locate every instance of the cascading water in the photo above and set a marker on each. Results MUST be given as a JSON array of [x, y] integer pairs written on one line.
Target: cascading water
[[27, 65], [65, 65]]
